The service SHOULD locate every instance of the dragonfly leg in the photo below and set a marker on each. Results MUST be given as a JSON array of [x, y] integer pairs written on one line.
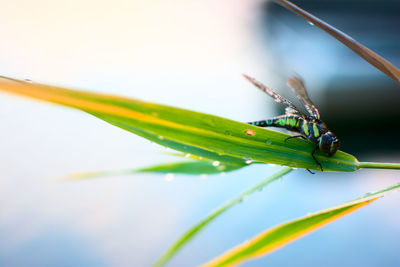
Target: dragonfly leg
[[295, 136], [310, 171], [316, 161]]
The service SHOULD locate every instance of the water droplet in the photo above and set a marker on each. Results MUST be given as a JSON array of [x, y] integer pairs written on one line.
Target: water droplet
[[249, 132], [161, 137], [169, 177], [187, 155], [215, 163], [248, 161], [221, 167], [227, 133], [309, 22], [28, 80], [268, 142]]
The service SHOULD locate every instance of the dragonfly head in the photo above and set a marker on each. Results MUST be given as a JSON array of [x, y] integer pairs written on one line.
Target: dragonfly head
[[328, 143]]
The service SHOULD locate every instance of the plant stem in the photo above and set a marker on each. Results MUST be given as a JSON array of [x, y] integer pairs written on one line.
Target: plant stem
[[379, 165]]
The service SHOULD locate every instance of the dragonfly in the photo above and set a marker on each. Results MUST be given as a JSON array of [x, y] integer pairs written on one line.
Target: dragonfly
[[309, 127]]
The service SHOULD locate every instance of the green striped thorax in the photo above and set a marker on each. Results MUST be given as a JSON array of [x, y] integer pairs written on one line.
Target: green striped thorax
[[317, 131]]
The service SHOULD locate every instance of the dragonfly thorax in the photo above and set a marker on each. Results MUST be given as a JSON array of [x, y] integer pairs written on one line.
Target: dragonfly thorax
[[313, 129]]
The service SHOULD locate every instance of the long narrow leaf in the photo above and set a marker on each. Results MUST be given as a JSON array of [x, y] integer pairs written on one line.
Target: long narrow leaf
[[283, 234], [188, 235], [370, 56], [201, 134], [198, 167]]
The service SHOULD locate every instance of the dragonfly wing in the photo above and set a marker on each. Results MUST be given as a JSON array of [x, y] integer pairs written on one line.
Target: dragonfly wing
[[297, 84], [290, 111], [290, 108]]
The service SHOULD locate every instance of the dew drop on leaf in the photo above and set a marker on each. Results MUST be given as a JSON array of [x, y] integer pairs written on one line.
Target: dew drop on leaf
[[215, 163], [247, 161], [309, 22], [187, 155]]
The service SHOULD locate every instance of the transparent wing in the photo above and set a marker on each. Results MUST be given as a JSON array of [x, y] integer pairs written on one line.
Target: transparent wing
[[297, 84], [290, 108]]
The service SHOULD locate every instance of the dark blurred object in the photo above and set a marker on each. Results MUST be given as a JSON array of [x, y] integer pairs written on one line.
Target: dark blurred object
[[359, 103]]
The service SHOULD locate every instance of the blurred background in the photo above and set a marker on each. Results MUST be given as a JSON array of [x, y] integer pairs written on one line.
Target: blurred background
[[189, 54]]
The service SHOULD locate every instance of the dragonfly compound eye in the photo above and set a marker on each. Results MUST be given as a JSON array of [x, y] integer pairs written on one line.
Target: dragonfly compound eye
[[329, 144]]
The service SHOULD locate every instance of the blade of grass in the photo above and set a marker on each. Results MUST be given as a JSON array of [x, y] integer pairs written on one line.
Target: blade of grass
[[202, 134], [189, 234], [370, 56], [198, 167], [283, 234]]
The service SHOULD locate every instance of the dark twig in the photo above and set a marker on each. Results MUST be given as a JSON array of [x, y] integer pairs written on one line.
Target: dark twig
[[374, 59]]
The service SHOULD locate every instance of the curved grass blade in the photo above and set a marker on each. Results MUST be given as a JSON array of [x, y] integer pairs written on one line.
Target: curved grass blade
[[204, 135], [189, 234], [283, 234], [370, 56], [186, 167]]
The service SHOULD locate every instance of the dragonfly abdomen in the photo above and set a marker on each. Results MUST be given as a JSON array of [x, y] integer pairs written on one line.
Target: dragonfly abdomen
[[288, 122]]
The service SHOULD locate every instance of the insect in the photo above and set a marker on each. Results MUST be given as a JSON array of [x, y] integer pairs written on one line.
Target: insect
[[309, 127]]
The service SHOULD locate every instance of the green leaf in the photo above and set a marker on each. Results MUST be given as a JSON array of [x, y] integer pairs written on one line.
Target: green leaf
[[367, 54], [187, 167], [192, 132], [283, 234], [189, 234]]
